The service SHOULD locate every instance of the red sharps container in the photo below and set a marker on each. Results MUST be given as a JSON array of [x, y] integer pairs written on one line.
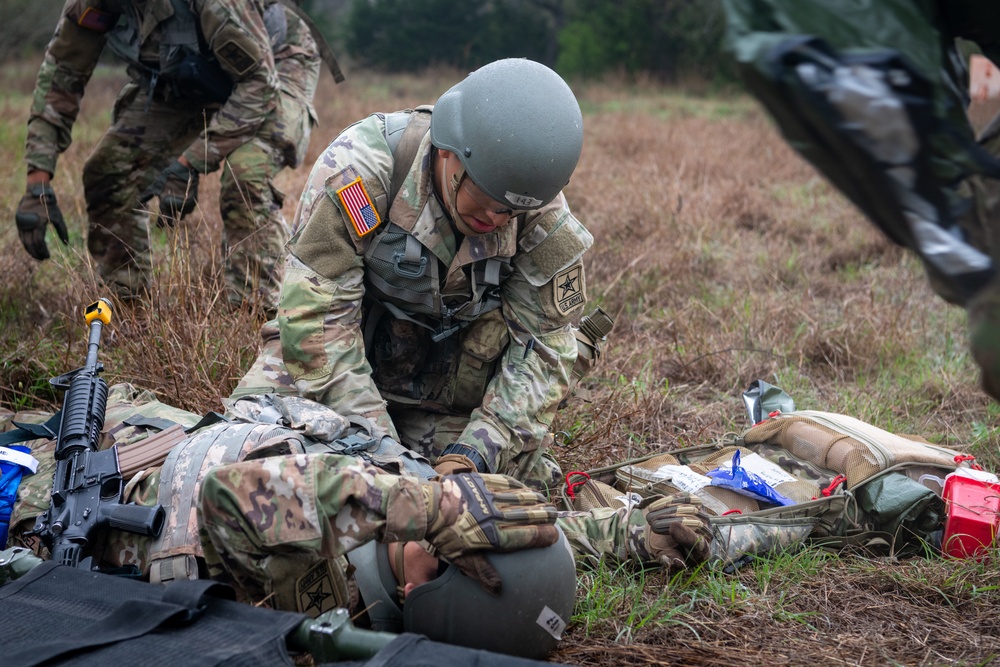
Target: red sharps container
[[973, 513]]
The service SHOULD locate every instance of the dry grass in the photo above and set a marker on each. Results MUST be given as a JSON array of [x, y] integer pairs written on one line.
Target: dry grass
[[724, 259]]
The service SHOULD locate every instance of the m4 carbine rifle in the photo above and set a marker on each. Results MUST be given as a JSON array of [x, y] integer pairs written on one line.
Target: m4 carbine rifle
[[87, 485]]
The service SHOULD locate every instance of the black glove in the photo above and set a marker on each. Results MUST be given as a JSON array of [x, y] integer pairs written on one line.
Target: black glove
[[37, 208], [177, 188]]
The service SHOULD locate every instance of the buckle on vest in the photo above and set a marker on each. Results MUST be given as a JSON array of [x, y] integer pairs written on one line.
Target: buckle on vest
[[354, 444], [400, 266], [447, 331]]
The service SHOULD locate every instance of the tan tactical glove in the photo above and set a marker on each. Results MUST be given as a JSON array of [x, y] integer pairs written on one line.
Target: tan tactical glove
[[452, 464], [177, 188], [672, 531], [37, 209], [469, 514]]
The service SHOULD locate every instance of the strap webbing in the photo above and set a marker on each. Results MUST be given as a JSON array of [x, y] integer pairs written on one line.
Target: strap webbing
[[172, 554], [25, 432], [404, 148], [325, 52]]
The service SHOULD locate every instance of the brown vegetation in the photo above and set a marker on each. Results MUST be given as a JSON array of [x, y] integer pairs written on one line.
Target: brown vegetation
[[723, 257]]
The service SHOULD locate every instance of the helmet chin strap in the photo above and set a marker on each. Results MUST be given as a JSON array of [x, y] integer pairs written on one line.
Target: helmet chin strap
[[451, 188], [400, 576]]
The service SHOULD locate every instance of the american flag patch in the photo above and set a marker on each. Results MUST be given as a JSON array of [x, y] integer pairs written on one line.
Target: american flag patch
[[359, 207], [94, 19]]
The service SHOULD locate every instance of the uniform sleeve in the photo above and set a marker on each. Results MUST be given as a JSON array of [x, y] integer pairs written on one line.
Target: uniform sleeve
[[70, 58], [256, 515], [601, 532], [235, 32], [319, 322], [542, 297], [319, 312]]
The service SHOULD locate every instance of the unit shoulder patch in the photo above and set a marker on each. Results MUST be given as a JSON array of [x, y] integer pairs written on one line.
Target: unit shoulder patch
[[359, 207], [569, 289], [316, 590], [234, 54]]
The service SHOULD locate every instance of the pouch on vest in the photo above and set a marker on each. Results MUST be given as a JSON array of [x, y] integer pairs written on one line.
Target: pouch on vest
[[482, 344], [196, 78]]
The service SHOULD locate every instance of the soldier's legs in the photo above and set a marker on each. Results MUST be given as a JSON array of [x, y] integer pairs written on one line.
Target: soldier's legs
[[429, 433], [254, 229], [138, 145]]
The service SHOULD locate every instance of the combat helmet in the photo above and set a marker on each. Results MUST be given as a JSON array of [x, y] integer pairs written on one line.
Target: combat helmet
[[517, 129], [526, 619]]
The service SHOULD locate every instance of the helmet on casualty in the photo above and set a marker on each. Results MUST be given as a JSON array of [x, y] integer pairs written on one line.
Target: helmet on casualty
[[526, 619], [517, 129]]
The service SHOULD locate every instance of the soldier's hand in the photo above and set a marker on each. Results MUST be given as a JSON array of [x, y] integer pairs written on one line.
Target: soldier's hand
[[469, 514], [177, 188], [452, 464], [36, 210], [673, 531]]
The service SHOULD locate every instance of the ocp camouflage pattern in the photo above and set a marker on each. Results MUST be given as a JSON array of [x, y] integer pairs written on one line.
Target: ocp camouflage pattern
[[315, 346], [263, 125]]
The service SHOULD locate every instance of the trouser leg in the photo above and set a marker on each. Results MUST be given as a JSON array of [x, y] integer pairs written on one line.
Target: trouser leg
[[139, 144], [254, 230]]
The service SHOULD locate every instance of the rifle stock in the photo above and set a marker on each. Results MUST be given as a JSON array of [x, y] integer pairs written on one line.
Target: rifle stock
[[87, 484]]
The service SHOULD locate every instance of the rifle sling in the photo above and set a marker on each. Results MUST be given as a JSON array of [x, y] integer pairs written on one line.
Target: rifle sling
[[325, 52]]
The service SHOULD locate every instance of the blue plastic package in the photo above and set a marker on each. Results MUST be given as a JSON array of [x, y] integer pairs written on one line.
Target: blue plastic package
[[744, 482], [10, 478]]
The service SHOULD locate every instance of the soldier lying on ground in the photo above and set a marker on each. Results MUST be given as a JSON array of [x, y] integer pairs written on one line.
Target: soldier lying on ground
[[434, 274], [290, 520], [213, 84]]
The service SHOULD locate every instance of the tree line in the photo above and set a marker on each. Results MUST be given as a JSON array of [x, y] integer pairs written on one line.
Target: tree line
[[665, 39]]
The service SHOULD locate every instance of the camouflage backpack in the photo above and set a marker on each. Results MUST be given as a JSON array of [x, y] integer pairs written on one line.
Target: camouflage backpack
[[846, 483]]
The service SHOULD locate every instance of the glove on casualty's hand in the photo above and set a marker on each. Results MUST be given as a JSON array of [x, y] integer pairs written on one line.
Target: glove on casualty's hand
[[37, 209], [471, 513], [673, 531], [177, 188]]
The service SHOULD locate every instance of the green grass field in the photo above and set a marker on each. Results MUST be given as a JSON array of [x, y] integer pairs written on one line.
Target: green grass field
[[723, 257]]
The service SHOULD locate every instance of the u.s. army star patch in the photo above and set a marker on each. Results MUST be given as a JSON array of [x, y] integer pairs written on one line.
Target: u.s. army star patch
[[315, 590], [569, 289], [359, 207]]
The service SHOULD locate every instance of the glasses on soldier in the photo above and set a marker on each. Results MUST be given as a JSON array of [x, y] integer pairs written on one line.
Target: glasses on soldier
[[486, 203]]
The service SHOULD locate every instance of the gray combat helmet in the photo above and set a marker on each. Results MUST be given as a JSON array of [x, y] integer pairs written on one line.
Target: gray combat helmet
[[517, 129], [526, 619]]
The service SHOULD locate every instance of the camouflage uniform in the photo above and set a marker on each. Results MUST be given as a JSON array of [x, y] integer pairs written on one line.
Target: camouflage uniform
[[328, 504], [436, 338], [262, 125]]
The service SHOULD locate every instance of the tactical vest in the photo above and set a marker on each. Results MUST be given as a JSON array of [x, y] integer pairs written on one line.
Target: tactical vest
[[176, 552], [184, 60], [408, 316]]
